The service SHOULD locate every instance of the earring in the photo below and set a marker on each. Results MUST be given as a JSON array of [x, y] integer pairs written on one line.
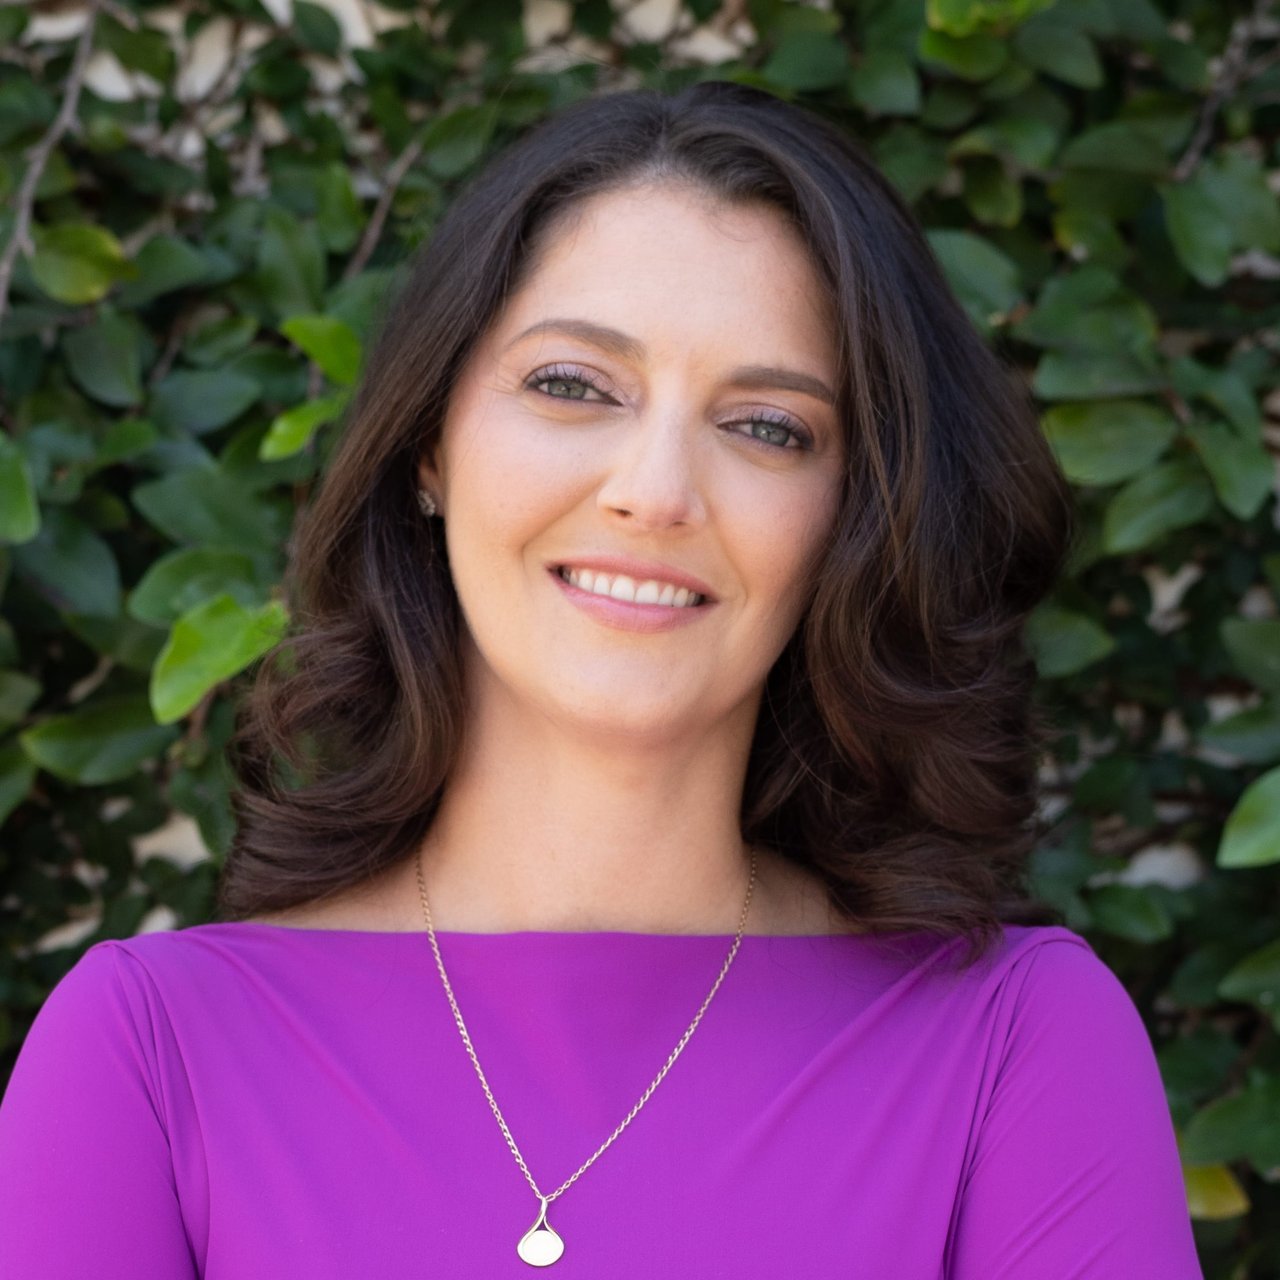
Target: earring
[[427, 503]]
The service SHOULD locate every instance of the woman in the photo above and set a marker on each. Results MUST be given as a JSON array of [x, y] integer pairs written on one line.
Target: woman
[[657, 683]]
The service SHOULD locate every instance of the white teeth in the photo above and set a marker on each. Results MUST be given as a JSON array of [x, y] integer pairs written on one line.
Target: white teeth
[[621, 587]]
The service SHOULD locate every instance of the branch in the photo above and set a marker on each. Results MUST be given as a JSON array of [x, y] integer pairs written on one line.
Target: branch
[[1233, 69], [372, 233], [24, 201]]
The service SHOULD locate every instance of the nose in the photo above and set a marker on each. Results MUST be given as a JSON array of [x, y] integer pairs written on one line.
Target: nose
[[652, 481]]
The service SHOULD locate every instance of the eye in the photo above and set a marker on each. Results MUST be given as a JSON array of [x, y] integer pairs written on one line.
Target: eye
[[563, 382], [776, 433]]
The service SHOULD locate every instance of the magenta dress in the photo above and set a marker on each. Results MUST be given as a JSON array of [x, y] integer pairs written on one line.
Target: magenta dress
[[255, 1102]]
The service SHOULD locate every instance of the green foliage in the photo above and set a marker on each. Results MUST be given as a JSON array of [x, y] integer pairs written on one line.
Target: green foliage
[[206, 259]]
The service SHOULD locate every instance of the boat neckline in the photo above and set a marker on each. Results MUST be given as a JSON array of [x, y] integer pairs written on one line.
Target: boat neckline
[[561, 933]]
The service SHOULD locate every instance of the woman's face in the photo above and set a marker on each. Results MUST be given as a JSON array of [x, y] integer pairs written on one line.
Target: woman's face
[[655, 403]]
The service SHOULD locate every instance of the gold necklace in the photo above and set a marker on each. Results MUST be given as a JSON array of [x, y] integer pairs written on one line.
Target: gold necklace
[[540, 1246]]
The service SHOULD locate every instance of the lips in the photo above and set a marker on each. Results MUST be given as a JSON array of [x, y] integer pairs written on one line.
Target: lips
[[636, 569]]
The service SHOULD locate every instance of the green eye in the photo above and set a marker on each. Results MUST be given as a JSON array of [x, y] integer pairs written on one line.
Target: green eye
[[776, 434], [562, 382]]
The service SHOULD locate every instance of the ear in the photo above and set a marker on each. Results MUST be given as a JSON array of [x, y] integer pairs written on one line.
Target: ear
[[429, 478]]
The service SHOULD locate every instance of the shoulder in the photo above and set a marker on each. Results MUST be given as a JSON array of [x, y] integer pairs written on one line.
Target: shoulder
[[1050, 969], [144, 976], [1059, 1008]]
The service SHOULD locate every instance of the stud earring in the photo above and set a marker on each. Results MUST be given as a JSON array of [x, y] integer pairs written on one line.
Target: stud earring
[[427, 503]]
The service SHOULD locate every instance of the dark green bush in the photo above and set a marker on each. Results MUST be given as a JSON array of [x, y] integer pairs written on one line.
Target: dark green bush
[[205, 205]]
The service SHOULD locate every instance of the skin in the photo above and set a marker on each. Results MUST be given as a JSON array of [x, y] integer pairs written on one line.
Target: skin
[[602, 775]]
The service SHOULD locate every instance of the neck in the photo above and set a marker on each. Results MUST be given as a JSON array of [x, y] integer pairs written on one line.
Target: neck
[[542, 829]]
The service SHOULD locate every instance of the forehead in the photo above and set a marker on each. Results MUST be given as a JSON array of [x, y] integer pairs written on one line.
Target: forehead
[[681, 264]]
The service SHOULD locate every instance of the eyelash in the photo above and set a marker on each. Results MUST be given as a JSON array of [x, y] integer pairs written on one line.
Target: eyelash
[[571, 374]]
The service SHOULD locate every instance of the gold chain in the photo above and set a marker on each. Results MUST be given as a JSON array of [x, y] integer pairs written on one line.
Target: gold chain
[[657, 1080]]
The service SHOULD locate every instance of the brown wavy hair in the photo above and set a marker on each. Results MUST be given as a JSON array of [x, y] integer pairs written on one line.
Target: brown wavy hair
[[896, 749]]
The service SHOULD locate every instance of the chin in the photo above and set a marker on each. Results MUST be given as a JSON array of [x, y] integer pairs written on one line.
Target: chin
[[632, 722]]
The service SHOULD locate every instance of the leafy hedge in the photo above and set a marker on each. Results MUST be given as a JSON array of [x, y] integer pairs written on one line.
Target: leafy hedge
[[205, 205]]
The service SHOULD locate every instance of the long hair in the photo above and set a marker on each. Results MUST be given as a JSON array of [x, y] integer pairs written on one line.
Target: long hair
[[896, 750]]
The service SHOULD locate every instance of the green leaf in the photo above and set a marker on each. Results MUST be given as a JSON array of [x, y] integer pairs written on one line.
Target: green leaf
[[1067, 375], [885, 83], [125, 438], [1115, 784], [204, 505], [1170, 496], [78, 262], [1237, 184], [807, 61], [1103, 442], [1245, 1125], [1089, 309], [984, 279], [138, 48], [949, 106], [1086, 234], [1251, 837], [1129, 911], [974, 57], [182, 579], [1059, 50], [1186, 65], [331, 343], [1242, 470], [219, 339], [1254, 646], [105, 742], [165, 264], [24, 106], [291, 264], [1223, 387], [317, 28], [18, 693], [105, 359], [70, 566], [201, 400], [209, 644], [913, 160], [17, 775], [1063, 642], [19, 511], [1214, 1192], [1253, 735], [964, 17], [293, 429], [1119, 146], [339, 217], [1200, 234], [1027, 141], [993, 197], [1256, 979], [452, 143]]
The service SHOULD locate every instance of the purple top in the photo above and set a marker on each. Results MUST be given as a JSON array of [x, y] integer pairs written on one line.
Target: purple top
[[234, 1101]]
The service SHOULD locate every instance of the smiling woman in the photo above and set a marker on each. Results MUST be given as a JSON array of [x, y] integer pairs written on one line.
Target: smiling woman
[[661, 611]]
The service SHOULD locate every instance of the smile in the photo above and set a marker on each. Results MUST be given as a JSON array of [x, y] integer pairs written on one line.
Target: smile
[[618, 586]]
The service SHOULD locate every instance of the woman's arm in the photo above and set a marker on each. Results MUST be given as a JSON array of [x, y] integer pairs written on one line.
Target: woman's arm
[[86, 1178], [1075, 1174]]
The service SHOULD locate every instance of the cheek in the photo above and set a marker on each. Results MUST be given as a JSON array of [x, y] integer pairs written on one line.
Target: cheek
[[782, 542], [509, 480]]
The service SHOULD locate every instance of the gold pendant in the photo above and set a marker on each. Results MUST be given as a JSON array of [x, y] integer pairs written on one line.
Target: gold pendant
[[540, 1246]]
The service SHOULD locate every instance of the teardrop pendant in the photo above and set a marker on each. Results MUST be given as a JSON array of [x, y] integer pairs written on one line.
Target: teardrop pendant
[[540, 1246]]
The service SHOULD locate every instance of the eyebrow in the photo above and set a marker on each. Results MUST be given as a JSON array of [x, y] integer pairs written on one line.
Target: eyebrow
[[756, 376]]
